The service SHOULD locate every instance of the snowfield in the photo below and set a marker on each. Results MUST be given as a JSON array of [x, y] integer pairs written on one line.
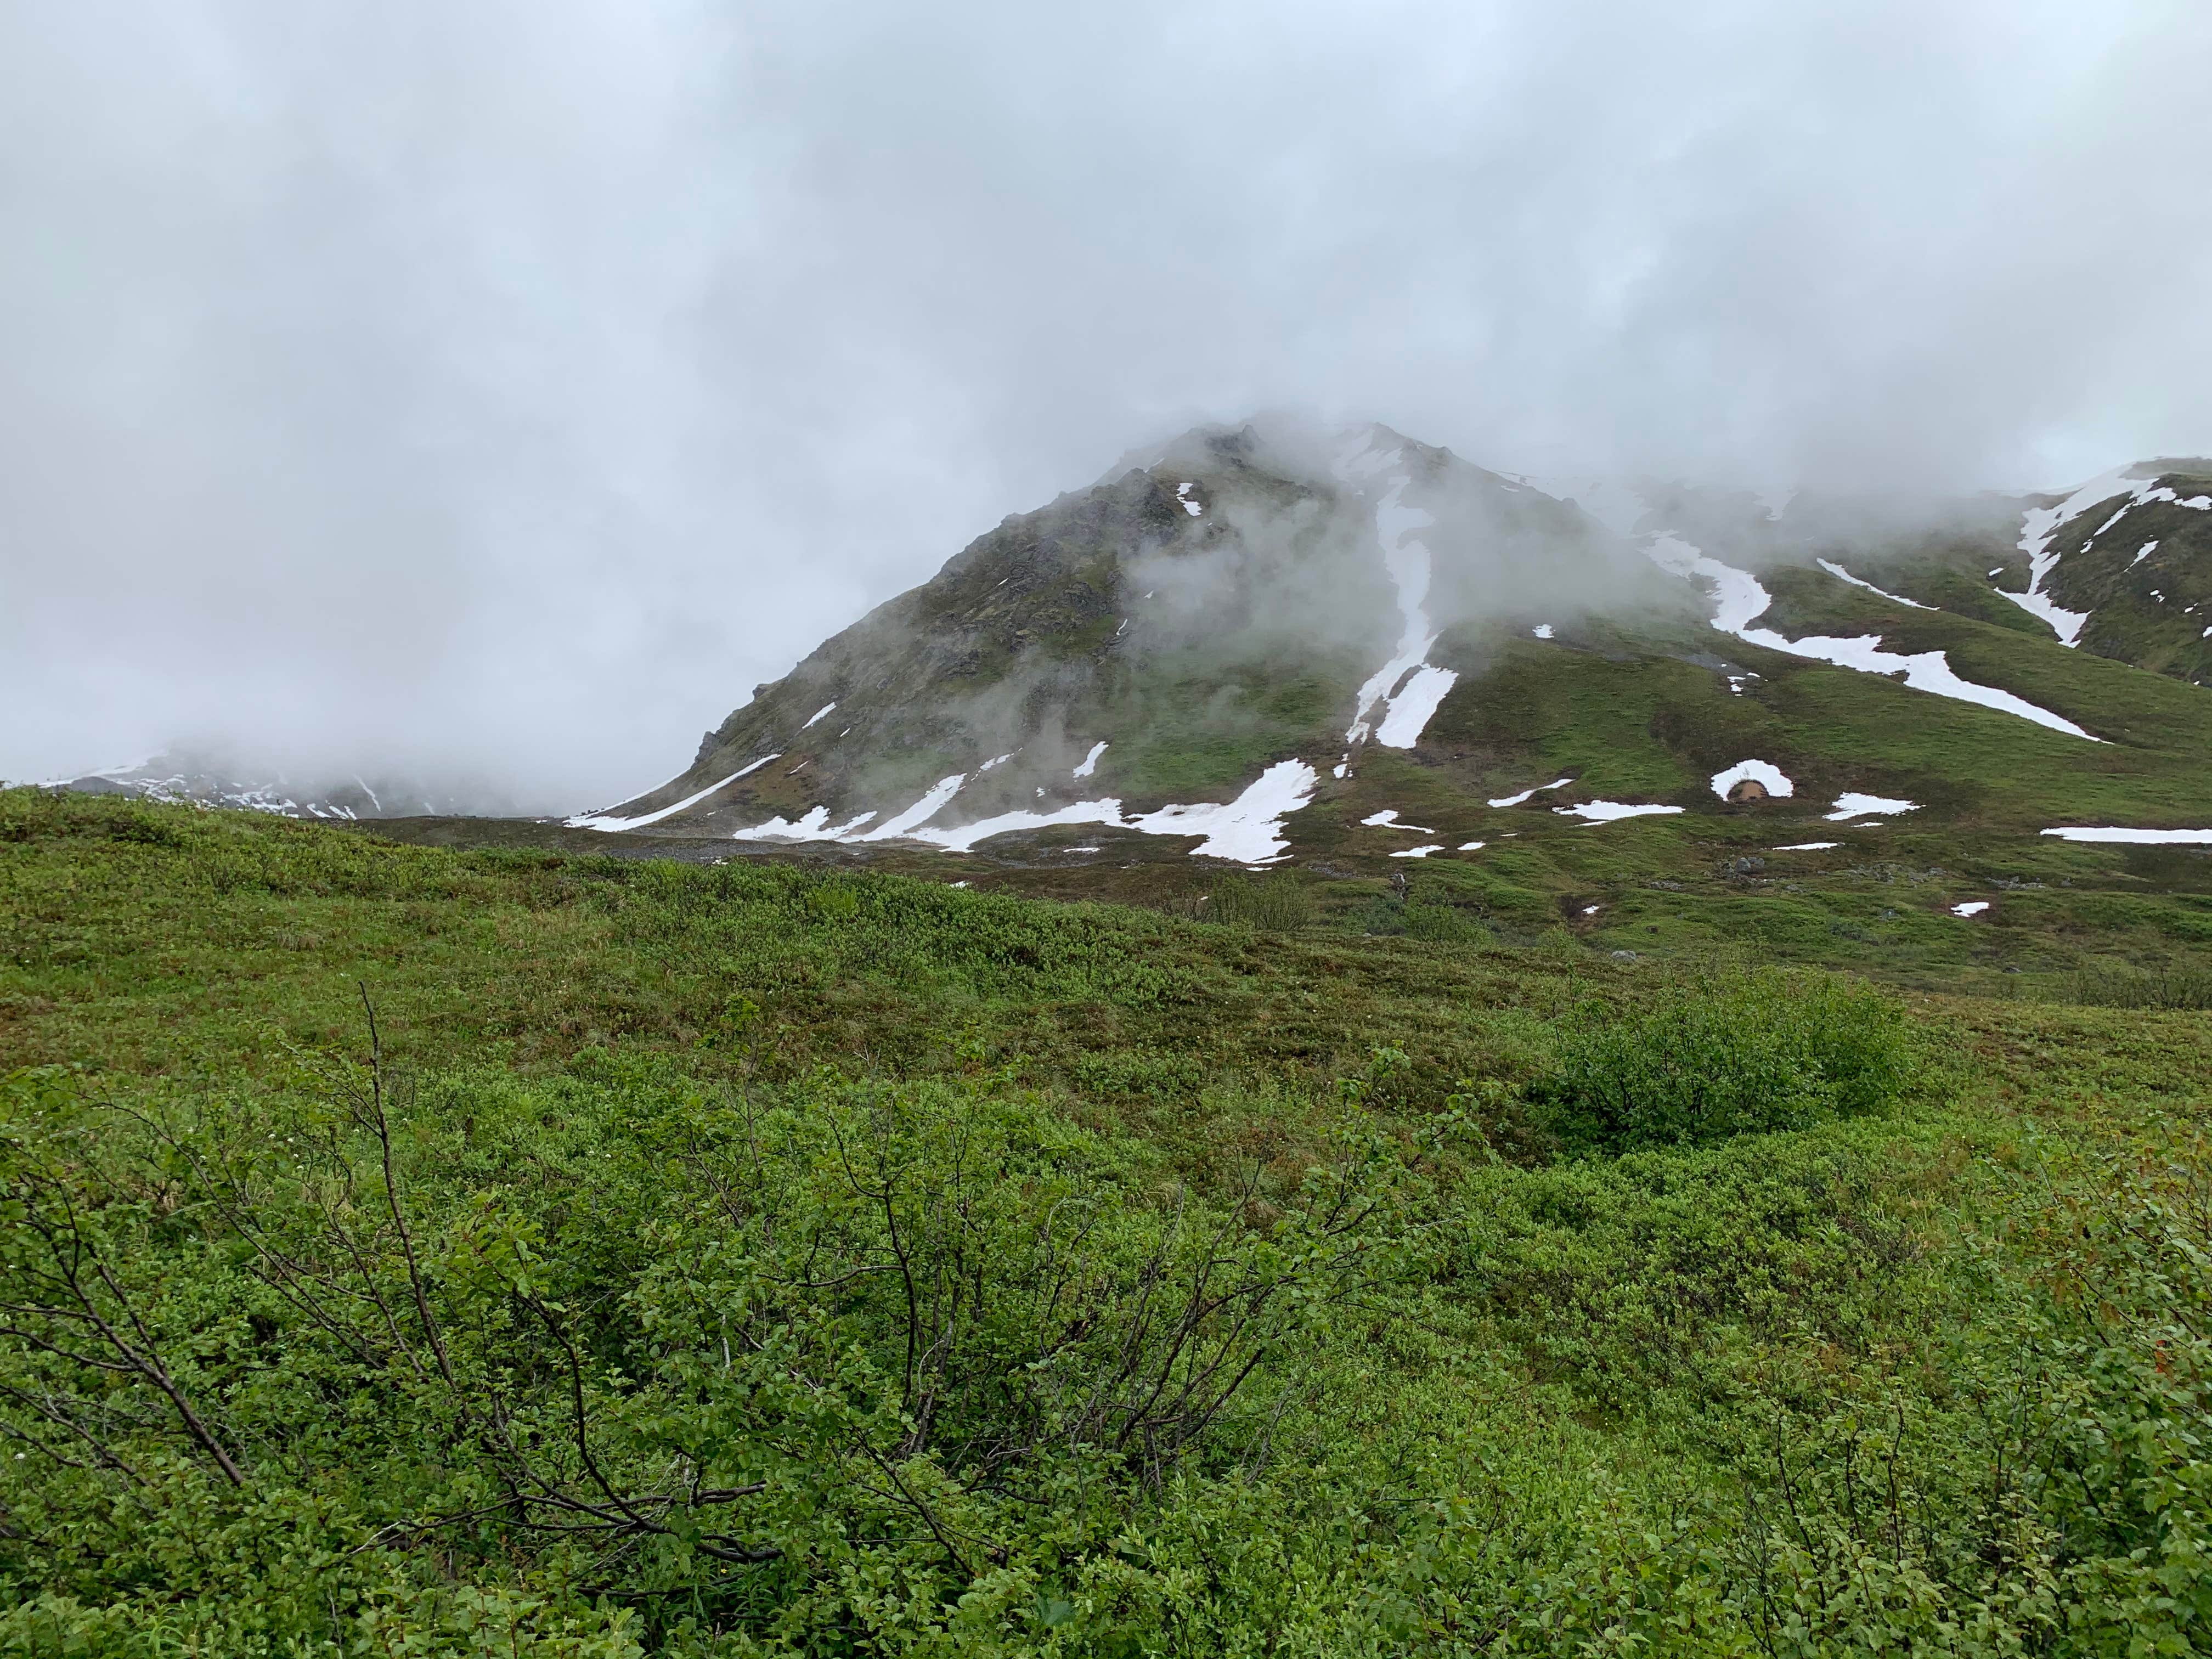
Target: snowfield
[[1516, 800], [1852, 805], [1414, 707], [1608, 811], [602, 821], [1741, 600], [1842, 575], [2041, 525], [1399, 699], [2144, 837], [1248, 830]]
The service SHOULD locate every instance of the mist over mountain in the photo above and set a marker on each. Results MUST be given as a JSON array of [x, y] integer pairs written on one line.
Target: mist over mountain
[[1191, 827], [1246, 622], [219, 778]]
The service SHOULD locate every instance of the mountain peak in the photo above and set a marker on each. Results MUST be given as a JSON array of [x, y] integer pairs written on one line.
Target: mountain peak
[[1225, 643]]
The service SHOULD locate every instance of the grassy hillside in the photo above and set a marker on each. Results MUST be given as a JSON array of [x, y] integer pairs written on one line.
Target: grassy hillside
[[1647, 719], [769, 1258], [1640, 701]]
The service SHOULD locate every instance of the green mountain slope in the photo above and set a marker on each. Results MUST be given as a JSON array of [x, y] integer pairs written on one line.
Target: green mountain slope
[[1331, 653]]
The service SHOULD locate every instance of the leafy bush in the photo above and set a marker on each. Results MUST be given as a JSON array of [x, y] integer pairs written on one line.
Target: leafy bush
[[799, 1366], [1448, 924], [1727, 1056], [2109, 985], [1274, 903]]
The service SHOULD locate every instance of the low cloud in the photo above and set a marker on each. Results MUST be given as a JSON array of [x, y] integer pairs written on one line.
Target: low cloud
[[506, 389]]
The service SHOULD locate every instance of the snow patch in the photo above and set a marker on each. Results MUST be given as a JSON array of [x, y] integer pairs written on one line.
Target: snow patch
[[1418, 852], [963, 837], [1838, 571], [814, 826], [1851, 805], [2040, 528], [1542, 630], [1740, 600], [602, 821], [1183, 495], [1971, 907], [1090, 761], [2143, 837], [1250, 829], [1763, 773], [932, 802], [1809, 847], [1388, 819], [1514, 800], [1608, 811], [2143, 552], [1414, 707], [818, 714], [1405, 690], [1470, 846]]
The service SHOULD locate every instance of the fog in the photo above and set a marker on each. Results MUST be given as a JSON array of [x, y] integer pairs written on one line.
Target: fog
[[502, 390]]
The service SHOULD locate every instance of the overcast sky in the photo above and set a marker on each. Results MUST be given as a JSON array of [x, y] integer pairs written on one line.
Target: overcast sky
[[511, 384]]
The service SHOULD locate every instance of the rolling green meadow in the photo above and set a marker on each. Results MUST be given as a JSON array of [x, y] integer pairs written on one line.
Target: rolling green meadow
[[412, 1249]]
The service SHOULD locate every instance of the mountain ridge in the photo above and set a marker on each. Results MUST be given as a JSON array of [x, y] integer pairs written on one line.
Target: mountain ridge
[[188, 777], [1191, 624]]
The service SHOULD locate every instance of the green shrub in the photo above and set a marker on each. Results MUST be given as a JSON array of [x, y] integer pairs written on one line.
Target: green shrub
[[419, 1373], [2107, 985], [1735, 1055], [1275, 902], [1447, 924]]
